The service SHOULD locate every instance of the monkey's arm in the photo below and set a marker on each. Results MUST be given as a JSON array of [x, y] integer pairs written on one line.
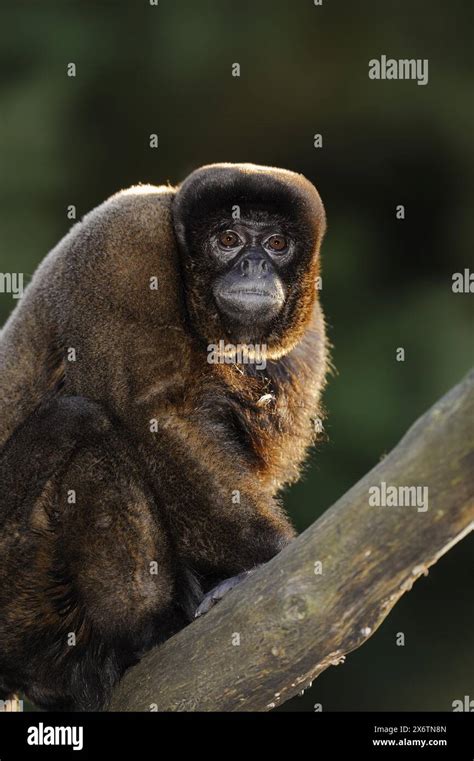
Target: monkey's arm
[[221, 521], [232, 536], [224, 542]]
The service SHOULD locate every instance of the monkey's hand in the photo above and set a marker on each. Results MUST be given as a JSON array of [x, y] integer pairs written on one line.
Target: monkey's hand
[[219, 591]]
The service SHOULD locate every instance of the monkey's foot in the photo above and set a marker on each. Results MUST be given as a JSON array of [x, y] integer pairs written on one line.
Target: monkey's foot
[[219, 591]]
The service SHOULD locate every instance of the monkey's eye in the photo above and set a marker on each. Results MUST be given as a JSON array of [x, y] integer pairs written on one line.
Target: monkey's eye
[[276, 243], [229, 239]]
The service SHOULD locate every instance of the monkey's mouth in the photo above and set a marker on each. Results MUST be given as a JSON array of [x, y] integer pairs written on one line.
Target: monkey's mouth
[[251, 292], [257, 303]]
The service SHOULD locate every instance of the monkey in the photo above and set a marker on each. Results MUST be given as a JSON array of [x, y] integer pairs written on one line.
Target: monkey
[[143, 449]]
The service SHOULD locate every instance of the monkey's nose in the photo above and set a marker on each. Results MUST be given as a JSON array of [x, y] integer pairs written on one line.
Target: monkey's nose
[[253, 267]]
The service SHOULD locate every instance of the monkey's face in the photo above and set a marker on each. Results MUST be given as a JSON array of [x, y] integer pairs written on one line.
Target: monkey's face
[[250, 260], [249, 239]]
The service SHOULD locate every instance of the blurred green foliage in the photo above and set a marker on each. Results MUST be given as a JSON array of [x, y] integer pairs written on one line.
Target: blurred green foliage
[[387, 282]]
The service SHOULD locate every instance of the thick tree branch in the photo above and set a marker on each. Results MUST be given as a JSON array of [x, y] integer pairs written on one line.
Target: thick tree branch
[[293, 622]]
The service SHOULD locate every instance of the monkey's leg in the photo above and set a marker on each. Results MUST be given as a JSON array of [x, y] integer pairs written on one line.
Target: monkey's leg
[[87, 579]]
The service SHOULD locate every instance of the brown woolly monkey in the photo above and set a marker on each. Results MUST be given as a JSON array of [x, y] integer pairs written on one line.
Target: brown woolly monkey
[[159, 380]]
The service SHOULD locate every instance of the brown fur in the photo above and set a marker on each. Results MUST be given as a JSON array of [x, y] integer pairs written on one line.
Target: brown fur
[[166, 496]]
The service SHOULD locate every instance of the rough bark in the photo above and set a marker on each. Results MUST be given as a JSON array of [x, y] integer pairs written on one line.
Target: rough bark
[[292, 622]]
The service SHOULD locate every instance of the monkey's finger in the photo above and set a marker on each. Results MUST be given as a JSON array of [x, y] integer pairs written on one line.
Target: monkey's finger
[[218, 593]]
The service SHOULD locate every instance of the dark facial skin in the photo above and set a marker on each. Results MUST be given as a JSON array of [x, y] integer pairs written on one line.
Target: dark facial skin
[[250, 256]]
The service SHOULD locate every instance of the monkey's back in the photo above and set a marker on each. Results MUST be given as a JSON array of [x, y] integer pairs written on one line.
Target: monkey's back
[[112, 278]]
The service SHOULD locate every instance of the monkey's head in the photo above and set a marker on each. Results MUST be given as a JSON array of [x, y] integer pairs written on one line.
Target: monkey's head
[[249, 239]]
